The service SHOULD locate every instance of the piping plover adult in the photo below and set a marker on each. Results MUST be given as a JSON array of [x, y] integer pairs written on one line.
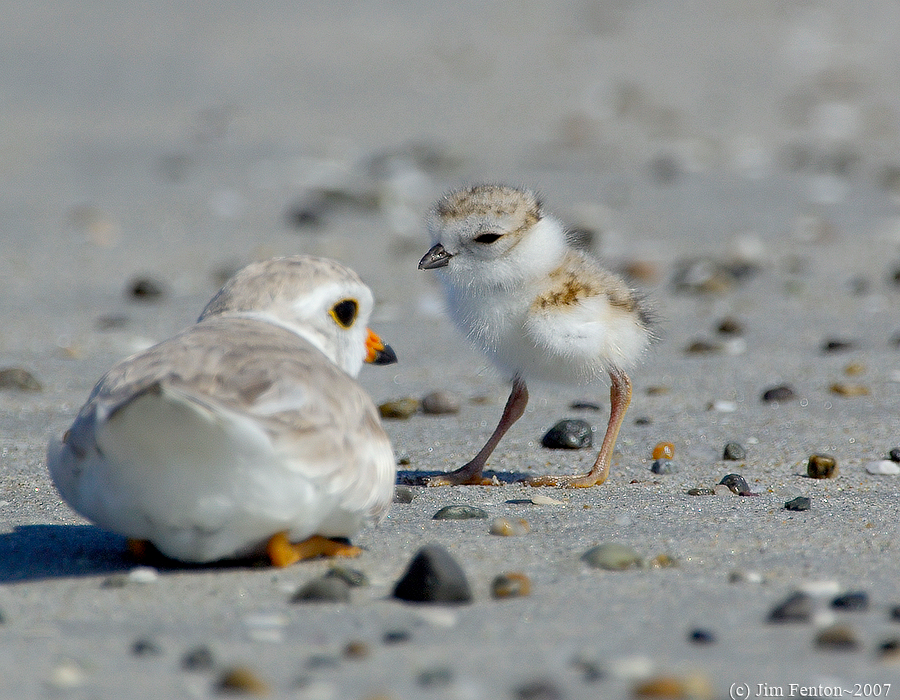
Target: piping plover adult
[[246, 432], [536, 307]]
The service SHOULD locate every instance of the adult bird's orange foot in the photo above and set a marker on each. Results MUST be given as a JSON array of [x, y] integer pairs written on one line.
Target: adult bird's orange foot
[[462, 477], [572, 481], [282, 552]]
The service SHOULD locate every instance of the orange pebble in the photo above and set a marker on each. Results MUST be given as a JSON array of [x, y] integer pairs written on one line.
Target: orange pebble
[[664, 450]]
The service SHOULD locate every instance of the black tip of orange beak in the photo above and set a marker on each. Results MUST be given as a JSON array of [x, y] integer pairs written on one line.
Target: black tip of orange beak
[[385, 356]]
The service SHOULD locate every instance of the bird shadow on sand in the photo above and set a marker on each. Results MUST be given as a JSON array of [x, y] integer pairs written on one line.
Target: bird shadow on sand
[[41, 552], [409, 477]]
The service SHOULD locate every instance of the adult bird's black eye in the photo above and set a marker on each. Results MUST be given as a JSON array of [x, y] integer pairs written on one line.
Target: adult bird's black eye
[[487, 237], [344, 312]]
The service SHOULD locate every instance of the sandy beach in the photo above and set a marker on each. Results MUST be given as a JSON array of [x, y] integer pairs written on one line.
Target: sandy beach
[[741, 162]]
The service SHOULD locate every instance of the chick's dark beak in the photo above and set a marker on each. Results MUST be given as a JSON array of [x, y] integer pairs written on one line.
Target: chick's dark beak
[[377, 353], [436, 257]]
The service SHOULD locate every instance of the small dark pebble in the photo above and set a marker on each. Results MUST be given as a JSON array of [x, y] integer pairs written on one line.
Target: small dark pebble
[[889, 650], [778, 393], [352, 577], [540, 689], [145, 647], [702, 347], [403, 494], [396, 637], [145, 289], [854, 601], [356, 649], [584, 406], [240, 680], [797, 607], [737, 484], [837, 345], [701, 636], [328, 589], [798, 503], [433, 576], [837, 638], [664, 466], [821, 467], [701, 492], [590, 670], [308, 212], [19, 378], [439, 403], [569, 434], [894, 454], [198, 659], [435, 677], [895, 613], [460, 512], [730, 326], [734, 451], [642, 420]]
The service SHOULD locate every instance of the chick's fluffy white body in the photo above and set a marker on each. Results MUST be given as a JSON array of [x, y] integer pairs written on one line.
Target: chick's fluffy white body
[[246, 424], [535, 306]]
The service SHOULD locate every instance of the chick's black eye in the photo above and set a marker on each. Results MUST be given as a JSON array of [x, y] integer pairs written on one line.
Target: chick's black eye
[[487, 237], [344, 312]]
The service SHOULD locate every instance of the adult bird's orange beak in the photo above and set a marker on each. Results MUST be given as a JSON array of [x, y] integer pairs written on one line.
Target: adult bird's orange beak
[[377, 353]]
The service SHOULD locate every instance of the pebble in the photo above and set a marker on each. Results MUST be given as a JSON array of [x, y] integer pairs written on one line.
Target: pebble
[[701, 636], [702, 347], [734, 451], [664, 466], [798, 503], [240, 680], [695, 686], [663, 561], [145, 289], [895, 613], [441, 677], [143, 574], [612, 557], [569, 434], [352, 577], [737, 484], [145, 647], [460, 512], [837, 345], [399, 409], [745, 576], [821, 467], [396, 637], [838, 637], [541, 500], [19, 379], [513, 584], [730, 326], [894, 454], [584, 406], [704, 276], [539, 689], [327, 589], [778, 393], [854, 369], [356, 650], [509, 528], [854, 601], [433, 576], [663, 450], [403, 494], [722, 490], [883, 467], [701, 491], [889, 650], [797, 607], [199, 658], [439, 403], [67, 675], [848, 389]]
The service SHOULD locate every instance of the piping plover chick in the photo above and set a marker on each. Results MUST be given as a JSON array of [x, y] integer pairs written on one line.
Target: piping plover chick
[[535, 306], [245, 433]]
